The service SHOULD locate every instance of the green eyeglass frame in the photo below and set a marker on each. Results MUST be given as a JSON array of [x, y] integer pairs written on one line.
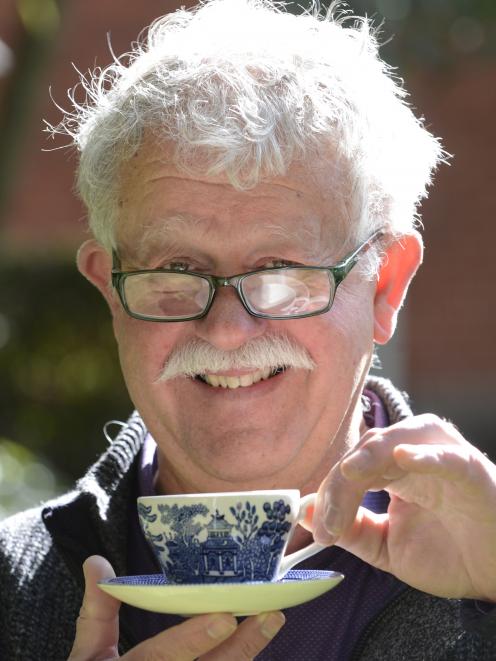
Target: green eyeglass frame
[[337, 274]]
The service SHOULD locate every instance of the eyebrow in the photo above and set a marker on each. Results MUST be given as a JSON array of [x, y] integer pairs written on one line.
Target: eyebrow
[[156, 237], [306, 240]]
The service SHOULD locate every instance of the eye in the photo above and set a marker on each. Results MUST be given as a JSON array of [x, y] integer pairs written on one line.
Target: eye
[[278, 263], [177, 266], [186, 265]]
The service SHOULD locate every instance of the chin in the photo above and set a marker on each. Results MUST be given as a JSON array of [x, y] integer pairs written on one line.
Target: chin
[[237, 457], [243, 478]]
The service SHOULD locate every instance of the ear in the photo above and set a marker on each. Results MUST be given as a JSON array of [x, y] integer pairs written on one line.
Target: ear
[[402, 259], [95, 264]]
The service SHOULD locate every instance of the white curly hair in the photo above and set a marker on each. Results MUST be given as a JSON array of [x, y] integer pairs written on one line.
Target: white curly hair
[[243, 88]]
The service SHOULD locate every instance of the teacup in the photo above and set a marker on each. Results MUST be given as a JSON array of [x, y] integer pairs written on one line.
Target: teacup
[[232, 537]]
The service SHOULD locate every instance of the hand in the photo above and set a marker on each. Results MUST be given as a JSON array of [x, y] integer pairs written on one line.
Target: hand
[[439, 534], [215, 637]]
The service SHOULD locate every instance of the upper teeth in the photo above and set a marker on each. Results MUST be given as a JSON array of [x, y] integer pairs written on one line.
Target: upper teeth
[[237, 381]]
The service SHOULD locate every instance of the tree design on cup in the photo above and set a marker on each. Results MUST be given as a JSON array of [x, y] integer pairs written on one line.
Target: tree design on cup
[[261, 545], [146, 517], [235, 546]]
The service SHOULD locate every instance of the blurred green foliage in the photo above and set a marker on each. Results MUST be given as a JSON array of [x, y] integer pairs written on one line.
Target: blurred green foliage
[[24, 479], [39, 16], [61, 380]]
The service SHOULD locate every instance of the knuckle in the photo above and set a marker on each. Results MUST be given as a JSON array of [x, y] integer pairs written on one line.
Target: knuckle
[[429, 418], [373, 451], [373, 445], [451, 429], [370, 435], [432, 421], [442, 426]]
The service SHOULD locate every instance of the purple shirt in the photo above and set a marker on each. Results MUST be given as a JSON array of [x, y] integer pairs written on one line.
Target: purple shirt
[[327, 627]]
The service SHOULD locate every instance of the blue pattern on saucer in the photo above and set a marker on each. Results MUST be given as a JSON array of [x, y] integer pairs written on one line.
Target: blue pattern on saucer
[[293, 575]]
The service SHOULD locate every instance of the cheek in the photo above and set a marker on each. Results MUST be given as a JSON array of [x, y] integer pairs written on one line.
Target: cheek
[[343, 337], [353, 311], [143, 347]]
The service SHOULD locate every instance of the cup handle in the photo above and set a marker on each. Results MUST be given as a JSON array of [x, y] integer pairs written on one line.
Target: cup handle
[[293, 559]]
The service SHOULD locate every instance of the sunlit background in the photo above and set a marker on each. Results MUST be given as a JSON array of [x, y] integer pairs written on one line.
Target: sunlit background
[[59, 375]]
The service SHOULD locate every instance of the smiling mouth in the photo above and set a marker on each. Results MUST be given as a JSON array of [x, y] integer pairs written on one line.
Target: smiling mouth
[[244, 381]]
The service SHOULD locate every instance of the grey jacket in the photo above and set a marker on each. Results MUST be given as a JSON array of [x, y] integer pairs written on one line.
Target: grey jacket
[[41, 582]]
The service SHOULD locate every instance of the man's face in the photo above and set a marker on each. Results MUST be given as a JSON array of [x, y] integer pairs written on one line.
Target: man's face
[[280, 432]]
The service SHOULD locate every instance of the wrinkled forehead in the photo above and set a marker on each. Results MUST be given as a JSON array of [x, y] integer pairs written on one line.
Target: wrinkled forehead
[[159, 203], [268, 234]]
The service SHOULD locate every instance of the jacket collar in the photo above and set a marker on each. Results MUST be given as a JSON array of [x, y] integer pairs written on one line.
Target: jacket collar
[[92, 519]]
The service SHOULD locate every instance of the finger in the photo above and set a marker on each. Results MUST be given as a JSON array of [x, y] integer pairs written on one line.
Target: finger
[[371, 466], [374, 454], [251, 637], [367, 538], [186, 641], [97, 627], [460, 464], [380, 464], [443, 461], [336, 508], [421, 429], [377, 465], [374, 461]]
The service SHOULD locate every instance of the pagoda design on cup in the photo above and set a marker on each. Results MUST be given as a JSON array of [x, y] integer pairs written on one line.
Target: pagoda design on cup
[[220, 551]]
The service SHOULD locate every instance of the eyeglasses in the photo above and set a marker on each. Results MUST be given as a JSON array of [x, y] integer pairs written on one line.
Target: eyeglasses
[[288, 292]]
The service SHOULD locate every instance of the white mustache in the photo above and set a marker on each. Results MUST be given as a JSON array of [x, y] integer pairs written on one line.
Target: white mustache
[[199, 357]]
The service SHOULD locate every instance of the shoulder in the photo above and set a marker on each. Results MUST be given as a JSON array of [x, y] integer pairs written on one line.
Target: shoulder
[[23, 540], [33, 575], [420, 626], [27, 551]]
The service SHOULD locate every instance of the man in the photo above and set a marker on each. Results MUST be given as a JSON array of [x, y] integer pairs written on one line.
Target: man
[[252, 179]]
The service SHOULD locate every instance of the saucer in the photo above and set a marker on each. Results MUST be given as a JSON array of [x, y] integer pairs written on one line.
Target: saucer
[[153, 593]]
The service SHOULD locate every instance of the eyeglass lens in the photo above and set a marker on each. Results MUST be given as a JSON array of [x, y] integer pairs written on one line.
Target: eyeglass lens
[[284, 293], [165, 295], [287, 293]]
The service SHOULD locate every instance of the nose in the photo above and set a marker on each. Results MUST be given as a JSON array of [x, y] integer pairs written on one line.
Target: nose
[[228, 325]]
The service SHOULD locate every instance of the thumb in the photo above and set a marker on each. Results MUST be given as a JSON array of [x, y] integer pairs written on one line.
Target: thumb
[[97, 627]]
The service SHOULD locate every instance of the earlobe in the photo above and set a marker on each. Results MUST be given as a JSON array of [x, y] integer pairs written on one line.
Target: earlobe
[[402, 259], [95, 264]]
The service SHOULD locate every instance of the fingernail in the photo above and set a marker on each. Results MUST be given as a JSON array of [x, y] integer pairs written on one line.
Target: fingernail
[[332, 521], [220, 627], [271, 623], [321, 536]]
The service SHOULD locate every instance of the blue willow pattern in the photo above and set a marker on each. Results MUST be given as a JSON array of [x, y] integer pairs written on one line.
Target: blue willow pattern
[[242, 548]]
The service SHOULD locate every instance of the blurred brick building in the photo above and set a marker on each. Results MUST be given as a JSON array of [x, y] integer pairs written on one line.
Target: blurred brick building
[[444, 353]]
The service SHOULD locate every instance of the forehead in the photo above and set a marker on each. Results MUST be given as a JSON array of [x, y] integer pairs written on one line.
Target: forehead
[[159, 204]]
